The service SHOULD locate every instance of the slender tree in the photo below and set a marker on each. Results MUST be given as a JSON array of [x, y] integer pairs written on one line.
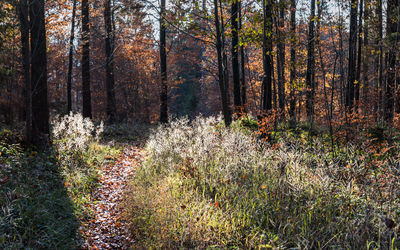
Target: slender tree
[[87, 103], [163, 65], [40, 108], [281, 55], [351, 76], [242, 62], [109, 41], [235, 54], [70, 58], [392, 34], [292, 58], [267, 56], [24, 29], [359, 55], [221, 70], [310, 74]]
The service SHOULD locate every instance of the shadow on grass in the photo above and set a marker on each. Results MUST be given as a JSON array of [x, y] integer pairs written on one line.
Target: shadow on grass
[[36, 211], [126, 132]]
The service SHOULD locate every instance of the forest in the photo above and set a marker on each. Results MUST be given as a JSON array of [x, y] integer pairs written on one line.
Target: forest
[[200, 124]]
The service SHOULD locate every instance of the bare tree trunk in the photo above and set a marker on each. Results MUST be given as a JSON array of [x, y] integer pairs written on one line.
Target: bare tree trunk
[[351, 76], [366, 55], [24, 29], [163, 65], [242, 63], [292, 58], [281, 56], [392, 34], [235, 55], [111, 106], [267, 56], [86, 95], [70, 58], [310, 74], [359, 56], [221, 75], [40, 108], [380, 56]]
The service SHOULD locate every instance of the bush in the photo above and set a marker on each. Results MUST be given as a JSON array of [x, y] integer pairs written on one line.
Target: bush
[[204, 185]]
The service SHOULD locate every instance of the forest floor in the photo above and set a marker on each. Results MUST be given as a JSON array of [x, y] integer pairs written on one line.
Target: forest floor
[[107, 229]]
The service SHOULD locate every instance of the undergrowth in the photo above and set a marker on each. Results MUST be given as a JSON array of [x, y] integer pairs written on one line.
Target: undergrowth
[[44, 194], [204, 186]]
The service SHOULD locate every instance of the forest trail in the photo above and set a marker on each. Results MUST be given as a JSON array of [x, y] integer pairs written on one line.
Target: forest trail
[[107, 230]]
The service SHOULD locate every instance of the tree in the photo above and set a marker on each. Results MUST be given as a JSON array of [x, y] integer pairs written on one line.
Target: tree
[[242, 62], [351, 76], [109, 40], [222, 77], [163, 66], [292, 105], [24, 29], [70, 58], [310, 74], [267, 56], [87, 103], [281, 55], [392, 34], [235, 55], [40, 108], [359, 55]]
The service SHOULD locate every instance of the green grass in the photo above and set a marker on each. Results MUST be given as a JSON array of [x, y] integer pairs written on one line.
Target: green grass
[[44, 197]]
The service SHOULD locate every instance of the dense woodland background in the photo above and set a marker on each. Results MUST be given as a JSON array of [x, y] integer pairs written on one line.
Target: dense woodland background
[[325, 62]]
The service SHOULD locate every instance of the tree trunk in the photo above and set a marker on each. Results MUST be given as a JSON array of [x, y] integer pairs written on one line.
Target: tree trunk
[[267, 56], [351, 76], [292, 58], [111, 106], [281, 56], [40, 108], [392, 34], [70, 58], [242, 64], [380, 56], [222, 86], [24, 29], [359, 56], [310, 75], [163, 66], [86, 95], [235, 55], [366, 55]]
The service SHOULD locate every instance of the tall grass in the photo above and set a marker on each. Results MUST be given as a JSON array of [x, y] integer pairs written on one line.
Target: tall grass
[[204, 185]]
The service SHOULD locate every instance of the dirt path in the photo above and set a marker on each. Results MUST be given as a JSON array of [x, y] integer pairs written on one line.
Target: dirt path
[[107, 230]]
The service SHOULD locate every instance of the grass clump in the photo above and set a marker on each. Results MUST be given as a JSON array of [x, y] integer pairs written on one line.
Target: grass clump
[[203, 185]]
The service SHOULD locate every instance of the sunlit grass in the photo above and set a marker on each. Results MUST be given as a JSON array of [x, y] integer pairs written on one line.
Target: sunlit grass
[[204, 185]]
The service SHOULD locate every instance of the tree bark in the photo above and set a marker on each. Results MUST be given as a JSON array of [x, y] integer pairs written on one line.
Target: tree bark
[[221, 75], [242, 64], [310, 74], [163, 66], [70, 58], [292, 58], [109, 41], [351, 76], [359, 55], [267, 56], [40, 108], [24, 29], [235, 55], [281, 56], [86, 95], [391, 33]]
